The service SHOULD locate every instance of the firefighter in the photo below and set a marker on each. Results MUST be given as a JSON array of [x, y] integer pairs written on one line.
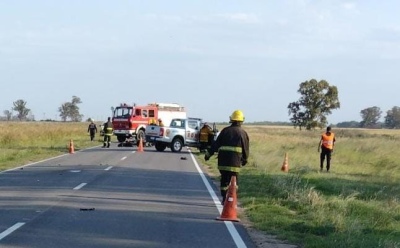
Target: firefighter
[[92, 130], [206, 135], [326, 144], [152, 122], [232, 146], [160, 123], [108, 131]]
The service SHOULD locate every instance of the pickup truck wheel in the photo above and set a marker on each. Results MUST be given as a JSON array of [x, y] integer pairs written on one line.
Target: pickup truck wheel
[[121, 138], [176, 145], [160, 146]]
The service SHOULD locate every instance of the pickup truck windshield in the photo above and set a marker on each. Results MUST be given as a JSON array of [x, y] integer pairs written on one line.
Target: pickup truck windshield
[[123, 112], [178, 123]]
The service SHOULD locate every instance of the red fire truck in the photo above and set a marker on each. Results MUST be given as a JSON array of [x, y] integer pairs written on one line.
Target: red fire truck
[[130, 121]]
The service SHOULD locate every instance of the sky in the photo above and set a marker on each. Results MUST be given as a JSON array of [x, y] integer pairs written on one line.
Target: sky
[[212, 57]]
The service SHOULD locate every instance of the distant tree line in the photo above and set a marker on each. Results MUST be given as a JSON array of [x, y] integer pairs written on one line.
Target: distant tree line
[[310, 111], [67, 110], [371, 116]]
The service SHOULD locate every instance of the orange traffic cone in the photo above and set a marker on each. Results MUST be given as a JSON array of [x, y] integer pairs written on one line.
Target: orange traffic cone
[[285, 165], [230, 204], [140, 147], [71, 147]]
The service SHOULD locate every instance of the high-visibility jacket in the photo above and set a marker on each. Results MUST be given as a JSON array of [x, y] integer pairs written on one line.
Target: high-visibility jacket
[[108, 128], [205, 132], [327, 140], [232, 145]]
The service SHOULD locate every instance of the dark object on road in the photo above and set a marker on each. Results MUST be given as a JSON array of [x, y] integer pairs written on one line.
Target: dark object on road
[[87, 209]]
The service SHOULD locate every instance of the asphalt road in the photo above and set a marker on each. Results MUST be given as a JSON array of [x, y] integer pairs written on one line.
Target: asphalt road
[[114, 197]]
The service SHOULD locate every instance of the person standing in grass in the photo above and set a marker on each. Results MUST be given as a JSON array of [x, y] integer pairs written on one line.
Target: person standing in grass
[[232, 146], [326, 145], [92, 130], [108, 131]]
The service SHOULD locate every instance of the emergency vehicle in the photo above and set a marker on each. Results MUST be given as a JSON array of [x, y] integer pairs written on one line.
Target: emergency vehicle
[[130, 121]]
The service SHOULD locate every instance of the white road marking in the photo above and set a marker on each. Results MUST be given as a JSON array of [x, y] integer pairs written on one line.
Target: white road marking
[[123, 158], [19, 167], [11, 229], [108, 168], [44, 160], [80, 186], [229, 225]]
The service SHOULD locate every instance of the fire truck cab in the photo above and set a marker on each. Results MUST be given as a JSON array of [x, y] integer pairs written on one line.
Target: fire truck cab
[[130, 121]]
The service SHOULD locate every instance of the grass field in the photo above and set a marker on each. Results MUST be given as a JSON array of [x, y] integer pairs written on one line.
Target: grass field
[[357, 204]]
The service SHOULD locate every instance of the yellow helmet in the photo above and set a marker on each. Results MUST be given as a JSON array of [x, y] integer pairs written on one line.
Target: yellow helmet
[[237, 115]]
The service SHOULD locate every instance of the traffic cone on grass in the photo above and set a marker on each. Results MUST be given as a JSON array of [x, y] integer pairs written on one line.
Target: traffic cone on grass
[[285, 165], [140, 147], [71, 147], [230, 205]]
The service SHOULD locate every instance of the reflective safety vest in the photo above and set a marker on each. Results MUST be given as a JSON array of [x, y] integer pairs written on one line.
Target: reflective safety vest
[[327, 140], [108, 129]]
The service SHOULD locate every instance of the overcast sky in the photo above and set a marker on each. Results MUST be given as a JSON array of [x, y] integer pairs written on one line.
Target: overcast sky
[[210, 56]]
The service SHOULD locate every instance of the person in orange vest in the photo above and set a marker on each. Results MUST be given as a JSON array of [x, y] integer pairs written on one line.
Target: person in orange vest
[[326, 144], [206, 135], [232, 145]]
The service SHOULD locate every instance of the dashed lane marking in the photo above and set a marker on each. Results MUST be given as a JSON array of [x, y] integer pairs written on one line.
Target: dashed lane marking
[[11, 229], [80, 186]]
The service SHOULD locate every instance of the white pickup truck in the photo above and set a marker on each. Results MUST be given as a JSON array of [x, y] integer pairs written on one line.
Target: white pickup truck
[[181, 132]]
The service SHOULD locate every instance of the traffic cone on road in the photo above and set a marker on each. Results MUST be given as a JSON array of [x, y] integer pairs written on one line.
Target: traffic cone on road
[[285, 165], [71, 147], [140, 147], [230, 204]]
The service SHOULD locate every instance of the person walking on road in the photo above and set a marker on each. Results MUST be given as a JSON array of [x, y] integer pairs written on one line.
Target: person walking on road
[[108, 131], [233, 150], [92, 130], [326, 145]]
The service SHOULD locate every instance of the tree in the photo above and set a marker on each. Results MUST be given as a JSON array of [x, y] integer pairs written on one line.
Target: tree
[[317, 101], [8, 114], [71, 110], [21, 109], [392, 118], [370, 117], [348, 124]]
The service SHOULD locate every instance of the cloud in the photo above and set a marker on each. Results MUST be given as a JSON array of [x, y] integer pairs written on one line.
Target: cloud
[[349, 6], [157, 17], [241, 17]]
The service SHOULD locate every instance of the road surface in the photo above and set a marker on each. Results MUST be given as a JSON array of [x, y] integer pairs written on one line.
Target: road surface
[[114, 197]]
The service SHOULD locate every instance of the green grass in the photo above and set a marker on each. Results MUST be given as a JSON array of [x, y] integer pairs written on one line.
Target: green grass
[[357, 204], [26, 142]]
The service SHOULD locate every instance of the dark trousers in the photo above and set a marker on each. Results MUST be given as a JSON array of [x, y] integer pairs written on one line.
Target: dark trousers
[[107, 140], [225, 181], [325, 153], [92, 134], [203, 146]]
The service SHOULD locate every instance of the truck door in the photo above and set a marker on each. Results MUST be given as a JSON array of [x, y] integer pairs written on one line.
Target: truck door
[[192, 131]]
